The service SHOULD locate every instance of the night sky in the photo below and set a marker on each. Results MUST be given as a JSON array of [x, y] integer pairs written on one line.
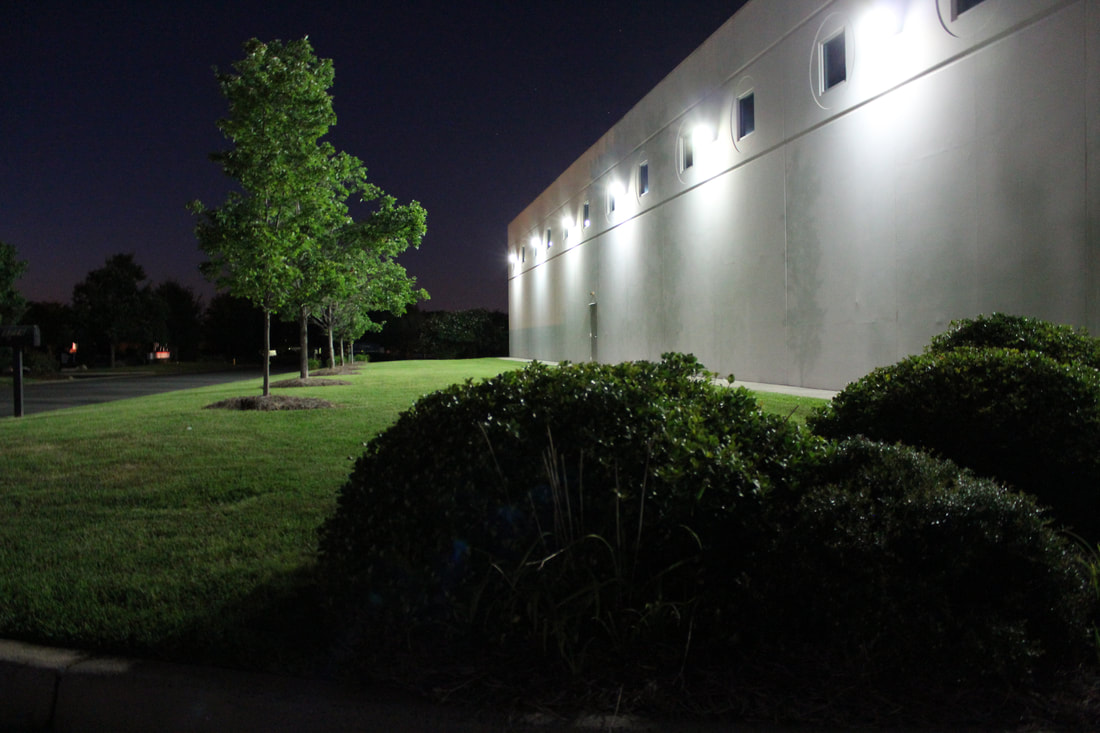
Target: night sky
[[108, 111]]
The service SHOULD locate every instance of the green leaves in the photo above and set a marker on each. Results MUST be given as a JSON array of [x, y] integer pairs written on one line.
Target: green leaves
[[286, 241], [12, 303], [584, 494], [1022, 417]]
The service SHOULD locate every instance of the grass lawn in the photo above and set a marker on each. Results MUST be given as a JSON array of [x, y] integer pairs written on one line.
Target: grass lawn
[[155, 527]]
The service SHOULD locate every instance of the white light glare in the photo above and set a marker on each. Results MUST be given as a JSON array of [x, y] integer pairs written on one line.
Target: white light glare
[[702, 135], [884, 18], [614, 197]]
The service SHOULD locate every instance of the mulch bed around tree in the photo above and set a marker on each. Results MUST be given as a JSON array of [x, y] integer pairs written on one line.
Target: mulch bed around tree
[[271, 402], [311, 382]]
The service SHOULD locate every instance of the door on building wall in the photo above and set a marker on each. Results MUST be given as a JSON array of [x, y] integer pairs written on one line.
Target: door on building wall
[[593, 331]]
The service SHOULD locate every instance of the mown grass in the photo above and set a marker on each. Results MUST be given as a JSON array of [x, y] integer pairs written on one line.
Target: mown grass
[[154, 526], [794, 407]]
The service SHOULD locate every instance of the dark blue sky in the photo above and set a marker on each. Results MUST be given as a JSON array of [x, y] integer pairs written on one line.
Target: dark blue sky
[[107, 113]]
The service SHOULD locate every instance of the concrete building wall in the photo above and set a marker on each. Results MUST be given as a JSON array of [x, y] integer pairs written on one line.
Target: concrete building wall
[[952, 173]]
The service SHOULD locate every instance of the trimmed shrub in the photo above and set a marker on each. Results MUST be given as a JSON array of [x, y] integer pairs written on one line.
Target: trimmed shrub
[[894, 569], [583, 511], [1064, 344], [1020, 417]]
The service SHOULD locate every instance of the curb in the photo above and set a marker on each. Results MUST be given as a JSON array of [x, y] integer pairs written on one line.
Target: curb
[[67, 691], [44, 689]]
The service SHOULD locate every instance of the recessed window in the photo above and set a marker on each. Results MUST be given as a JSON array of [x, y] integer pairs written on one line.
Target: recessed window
[[834, 62], [522, 253], [611, 202], [587, 218], [746, 115], [549, 240], [643, 179], [687, 152], [961, 6]]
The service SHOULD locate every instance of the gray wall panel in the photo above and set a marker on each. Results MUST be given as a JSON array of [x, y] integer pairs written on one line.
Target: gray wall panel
[[953, 173]]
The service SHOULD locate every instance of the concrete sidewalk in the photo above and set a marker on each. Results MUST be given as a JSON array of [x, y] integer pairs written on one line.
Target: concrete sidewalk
[[821, 394], [63, 691]]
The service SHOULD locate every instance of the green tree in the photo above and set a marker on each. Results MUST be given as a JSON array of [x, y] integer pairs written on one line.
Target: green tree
[[57, 325], [266, 242], [112, 306], [470, 333], [364, 277], [12, 304], [232, 327], [182, 311], [279, 108]]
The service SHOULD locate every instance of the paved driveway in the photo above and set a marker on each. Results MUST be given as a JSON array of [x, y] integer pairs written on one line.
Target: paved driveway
[[42, 396]]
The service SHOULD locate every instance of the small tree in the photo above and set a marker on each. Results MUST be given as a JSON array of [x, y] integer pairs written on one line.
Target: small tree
[[182, 313], [112, 306], [12, 304], [364, 276], [258, 240], [268, 242]]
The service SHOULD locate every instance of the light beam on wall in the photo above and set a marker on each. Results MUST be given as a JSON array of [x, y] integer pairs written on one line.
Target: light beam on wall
[[884, 18], [614, 197], [884, 51]]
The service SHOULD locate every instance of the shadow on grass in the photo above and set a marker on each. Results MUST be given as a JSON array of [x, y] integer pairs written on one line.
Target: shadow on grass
[[278, 628]]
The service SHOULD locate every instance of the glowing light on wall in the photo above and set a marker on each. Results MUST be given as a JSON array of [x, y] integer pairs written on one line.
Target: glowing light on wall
[[614, 197], [567, 228], [883, 18], [702, 135], [883, 50]]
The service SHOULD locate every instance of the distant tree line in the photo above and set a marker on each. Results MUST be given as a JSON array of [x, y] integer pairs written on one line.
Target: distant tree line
[[117, 316]]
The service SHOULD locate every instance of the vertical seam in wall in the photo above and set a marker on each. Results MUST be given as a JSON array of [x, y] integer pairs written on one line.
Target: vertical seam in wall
[[1091, 235], [786, 266]]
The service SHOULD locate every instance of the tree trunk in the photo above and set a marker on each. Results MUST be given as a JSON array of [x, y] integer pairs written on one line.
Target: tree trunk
[[267, 353], [303, 341], [331, 350]]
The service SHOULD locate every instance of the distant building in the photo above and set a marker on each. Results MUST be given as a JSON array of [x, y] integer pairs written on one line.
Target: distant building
[[822, 186]]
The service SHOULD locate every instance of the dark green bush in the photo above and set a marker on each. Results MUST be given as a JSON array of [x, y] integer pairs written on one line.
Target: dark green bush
[[585, 511], [1064, 344], [895, 568], [641, 529], [1020, 417]]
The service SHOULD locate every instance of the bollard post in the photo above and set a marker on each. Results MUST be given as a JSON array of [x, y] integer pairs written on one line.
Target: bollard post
[[17, 337], [17, 381]]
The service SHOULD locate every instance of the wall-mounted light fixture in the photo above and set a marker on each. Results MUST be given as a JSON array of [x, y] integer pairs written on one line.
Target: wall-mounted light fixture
[[614, 196], [566, 229], [884, 18]]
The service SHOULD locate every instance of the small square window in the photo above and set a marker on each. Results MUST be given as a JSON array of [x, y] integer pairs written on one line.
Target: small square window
[[834, 62], [587, 218], [961, 6], [746, 115], [643, 179]]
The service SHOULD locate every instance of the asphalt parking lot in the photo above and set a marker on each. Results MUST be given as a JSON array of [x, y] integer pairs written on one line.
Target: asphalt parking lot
[[91, 389]]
